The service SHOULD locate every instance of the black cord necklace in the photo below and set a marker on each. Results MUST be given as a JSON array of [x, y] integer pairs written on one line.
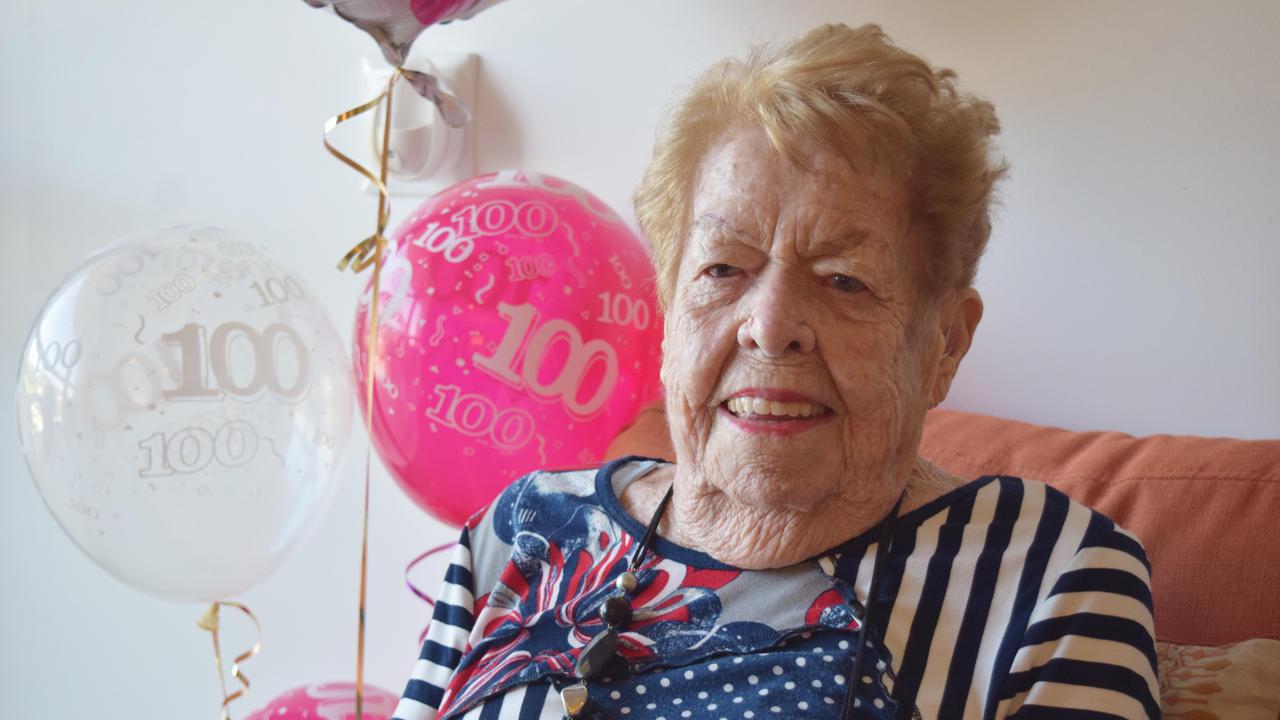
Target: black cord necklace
[[882, 551], [616, 612]]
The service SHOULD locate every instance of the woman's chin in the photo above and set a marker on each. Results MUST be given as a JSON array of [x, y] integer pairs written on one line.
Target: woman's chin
[[776, 483]]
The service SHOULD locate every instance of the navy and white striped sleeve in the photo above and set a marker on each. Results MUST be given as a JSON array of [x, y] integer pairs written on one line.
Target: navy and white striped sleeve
[[451, 625], [1089, 649]]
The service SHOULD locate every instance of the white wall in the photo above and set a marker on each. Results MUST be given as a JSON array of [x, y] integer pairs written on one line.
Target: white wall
[[1131, 282]]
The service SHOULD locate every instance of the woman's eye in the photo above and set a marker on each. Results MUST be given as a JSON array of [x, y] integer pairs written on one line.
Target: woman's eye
[[846, 283], [721, 270]]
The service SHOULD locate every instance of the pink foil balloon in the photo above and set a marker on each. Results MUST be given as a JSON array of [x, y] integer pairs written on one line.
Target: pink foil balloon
[[328, 701], [518, 330]]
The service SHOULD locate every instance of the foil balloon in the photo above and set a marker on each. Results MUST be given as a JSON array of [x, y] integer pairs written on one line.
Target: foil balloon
[[328, 701], [184, 406], [396, 24], [518, 330]]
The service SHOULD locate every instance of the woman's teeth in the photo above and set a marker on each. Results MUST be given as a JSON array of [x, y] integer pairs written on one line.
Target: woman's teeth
[[758, 406]]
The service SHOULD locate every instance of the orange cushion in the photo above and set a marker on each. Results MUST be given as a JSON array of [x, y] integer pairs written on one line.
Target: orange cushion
[[1205, 508]]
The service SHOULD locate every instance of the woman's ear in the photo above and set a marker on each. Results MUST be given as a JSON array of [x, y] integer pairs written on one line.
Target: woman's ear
[[957, 323]]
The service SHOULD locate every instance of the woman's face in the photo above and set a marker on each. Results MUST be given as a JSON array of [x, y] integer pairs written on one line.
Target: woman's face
[[799, 354]]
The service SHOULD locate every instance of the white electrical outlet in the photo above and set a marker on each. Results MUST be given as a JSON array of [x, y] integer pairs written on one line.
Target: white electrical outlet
[[425, 154]]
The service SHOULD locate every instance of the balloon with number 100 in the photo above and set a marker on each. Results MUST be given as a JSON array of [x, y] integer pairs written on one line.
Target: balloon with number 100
[[518, 330]]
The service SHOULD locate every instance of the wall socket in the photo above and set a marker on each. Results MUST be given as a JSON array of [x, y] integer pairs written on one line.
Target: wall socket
[[426, 155]]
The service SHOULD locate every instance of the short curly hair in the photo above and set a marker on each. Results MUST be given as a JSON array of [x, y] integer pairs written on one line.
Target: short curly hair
[[852, 90]]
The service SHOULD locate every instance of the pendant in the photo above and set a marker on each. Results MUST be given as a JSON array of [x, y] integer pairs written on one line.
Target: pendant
[[596, 655], [574, 698], [615, 611]]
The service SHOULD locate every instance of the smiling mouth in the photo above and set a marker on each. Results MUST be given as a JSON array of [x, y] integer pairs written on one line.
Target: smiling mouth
[[755, 408]]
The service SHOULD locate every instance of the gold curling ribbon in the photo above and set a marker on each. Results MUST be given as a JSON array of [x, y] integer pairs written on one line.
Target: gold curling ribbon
[[367, 252], [209, 621]]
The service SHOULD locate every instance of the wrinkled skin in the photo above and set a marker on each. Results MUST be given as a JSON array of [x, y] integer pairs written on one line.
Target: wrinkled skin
[[803, 281]]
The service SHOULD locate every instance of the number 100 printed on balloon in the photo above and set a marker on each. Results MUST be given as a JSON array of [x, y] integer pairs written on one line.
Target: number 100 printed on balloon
[[235, 362], [476, 415], [259, 353], [191, 449], [522, 361]]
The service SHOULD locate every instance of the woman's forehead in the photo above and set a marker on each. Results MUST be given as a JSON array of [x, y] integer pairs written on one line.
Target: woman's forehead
[[748, 192], [744, 174]]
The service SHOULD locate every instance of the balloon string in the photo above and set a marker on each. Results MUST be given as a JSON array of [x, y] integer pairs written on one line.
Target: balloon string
[[210, 621], [367, 252], [414, 588]]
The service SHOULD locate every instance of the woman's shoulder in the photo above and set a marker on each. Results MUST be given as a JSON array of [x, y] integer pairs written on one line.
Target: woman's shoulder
[[1054, 532], [1006, 498], [1024, 516], [1057, 514]]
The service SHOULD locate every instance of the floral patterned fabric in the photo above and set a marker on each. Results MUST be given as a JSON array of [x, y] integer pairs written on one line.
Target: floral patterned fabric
[[1240, 681]]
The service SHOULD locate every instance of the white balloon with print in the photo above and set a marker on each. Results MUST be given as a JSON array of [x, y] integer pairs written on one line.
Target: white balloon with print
[[184, 404]]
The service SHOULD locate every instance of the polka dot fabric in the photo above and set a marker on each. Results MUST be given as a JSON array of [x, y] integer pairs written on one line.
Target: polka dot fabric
[[805, 677]]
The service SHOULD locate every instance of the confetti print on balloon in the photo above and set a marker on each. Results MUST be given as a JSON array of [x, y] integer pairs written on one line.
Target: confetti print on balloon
[[488, 286], [577, 274], [439, 333], [568, 230], [542, 451], [274, 451]]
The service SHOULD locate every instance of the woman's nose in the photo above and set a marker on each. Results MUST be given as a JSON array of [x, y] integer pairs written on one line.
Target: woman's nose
[[776, 321]]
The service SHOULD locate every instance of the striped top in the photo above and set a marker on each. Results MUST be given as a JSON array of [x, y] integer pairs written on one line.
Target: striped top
[[1002, 598]]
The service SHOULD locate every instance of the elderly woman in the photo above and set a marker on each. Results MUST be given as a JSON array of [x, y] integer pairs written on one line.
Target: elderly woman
[[816, 214]]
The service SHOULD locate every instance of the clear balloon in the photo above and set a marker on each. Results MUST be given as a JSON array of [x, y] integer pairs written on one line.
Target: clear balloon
[[185, 406], [518, 329]]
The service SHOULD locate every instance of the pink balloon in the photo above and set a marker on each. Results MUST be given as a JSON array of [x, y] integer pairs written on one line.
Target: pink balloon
[[518, 330], [328, 701], [430, 12]]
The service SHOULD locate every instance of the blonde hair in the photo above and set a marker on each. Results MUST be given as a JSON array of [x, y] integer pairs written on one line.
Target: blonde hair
[[855, 92]]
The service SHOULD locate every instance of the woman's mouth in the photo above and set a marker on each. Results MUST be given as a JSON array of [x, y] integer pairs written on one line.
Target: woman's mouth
[[756, 407], [774, 416]]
